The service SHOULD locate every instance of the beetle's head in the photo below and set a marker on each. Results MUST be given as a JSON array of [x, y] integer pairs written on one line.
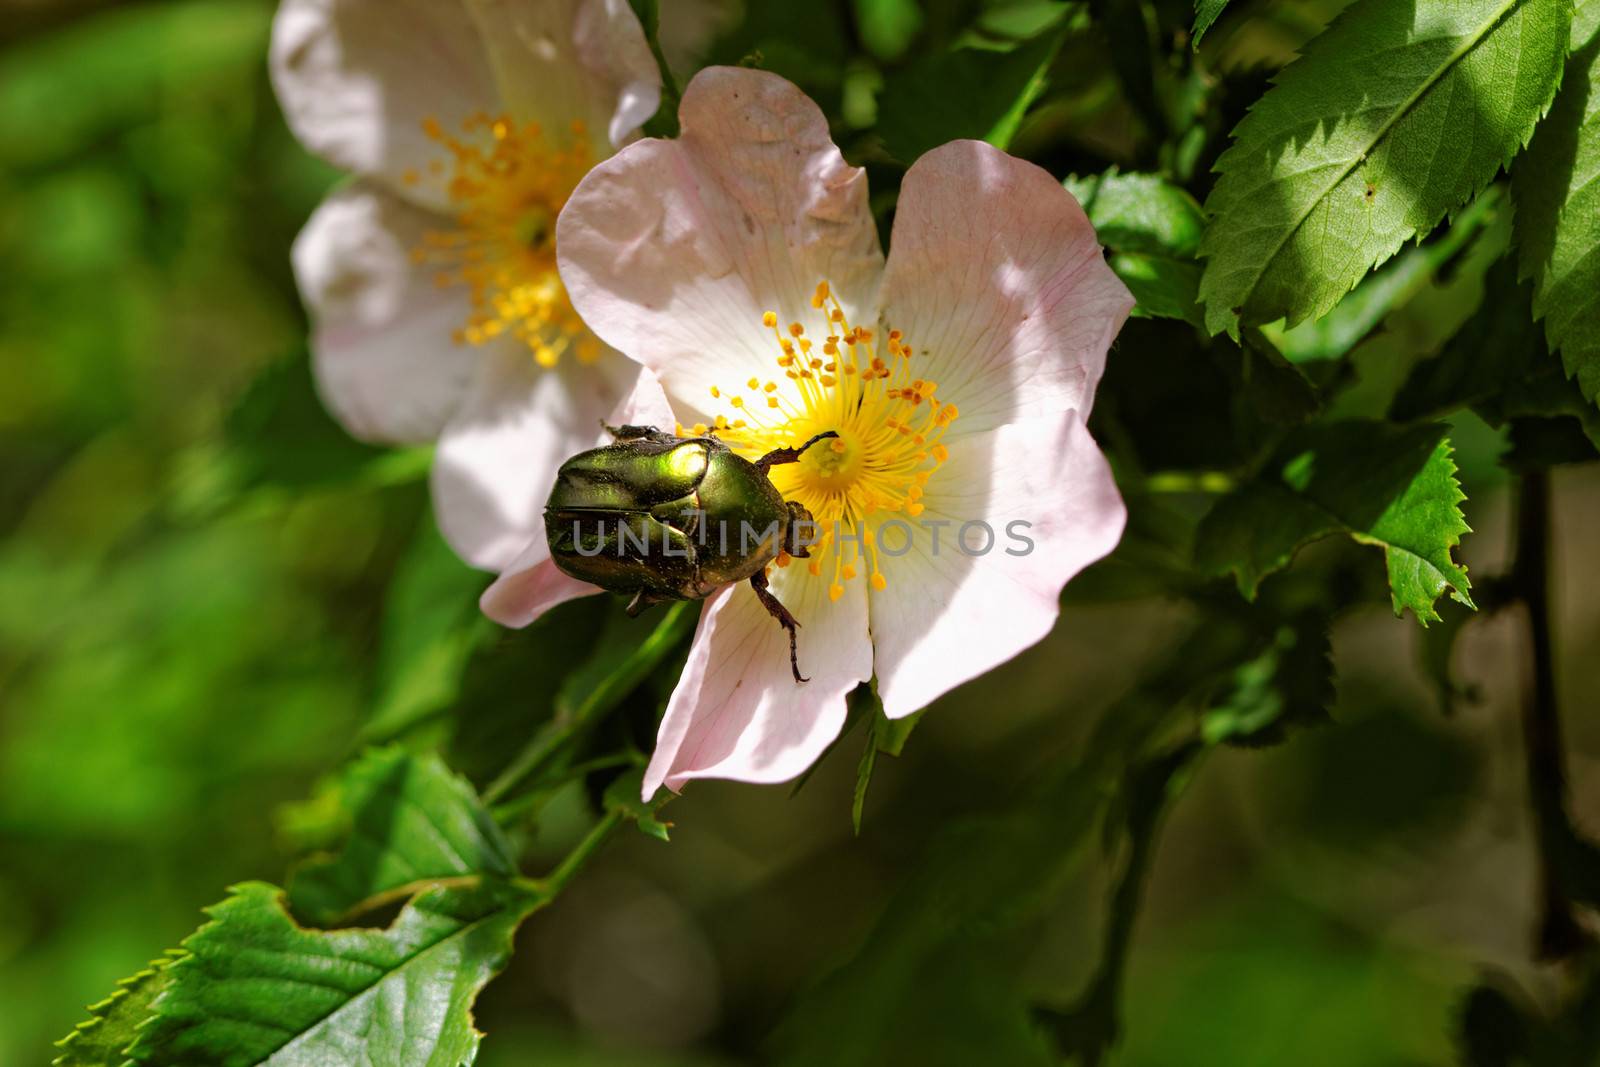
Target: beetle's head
[[801, 532]]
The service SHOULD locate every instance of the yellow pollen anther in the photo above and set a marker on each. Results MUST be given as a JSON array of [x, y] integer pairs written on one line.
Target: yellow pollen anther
[[506, 184], [888, 429]]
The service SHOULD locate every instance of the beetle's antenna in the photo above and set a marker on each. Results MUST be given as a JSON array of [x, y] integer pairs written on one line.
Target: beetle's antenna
[[779, 456]]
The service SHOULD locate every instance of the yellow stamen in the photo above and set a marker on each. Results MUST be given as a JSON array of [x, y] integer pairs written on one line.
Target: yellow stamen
[[888, 425], [507, 184]]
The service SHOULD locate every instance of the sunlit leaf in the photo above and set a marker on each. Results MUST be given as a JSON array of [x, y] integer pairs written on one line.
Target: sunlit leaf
[[1380, 484], [103, 1040], [1384, 290], [1396, 114], [1557, 189], [253, 987]]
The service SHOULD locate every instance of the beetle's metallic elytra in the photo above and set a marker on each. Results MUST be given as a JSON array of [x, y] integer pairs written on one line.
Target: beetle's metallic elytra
[[665, 517]]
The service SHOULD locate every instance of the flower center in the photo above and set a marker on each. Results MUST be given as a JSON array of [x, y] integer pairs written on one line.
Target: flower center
[[507, 184], [889, 424]]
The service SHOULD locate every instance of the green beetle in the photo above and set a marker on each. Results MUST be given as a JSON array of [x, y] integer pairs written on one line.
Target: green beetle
[[675, 518]]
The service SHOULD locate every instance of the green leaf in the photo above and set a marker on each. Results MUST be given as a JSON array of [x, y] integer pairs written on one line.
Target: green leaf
[[931, 967], [104, 1039], [255, 988], [623, 795], [1206, 13], [886, 735], [1498, 366], [1556, 185], [964, 93], [1289, 684], [1380, 484], [1389, 287], [401, 821], [279, 434], [1153, 229], [1396, 114], [888, 26], [431, 627]]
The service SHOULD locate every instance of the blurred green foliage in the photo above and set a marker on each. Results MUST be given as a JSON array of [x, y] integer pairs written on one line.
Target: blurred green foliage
[[211, 599]]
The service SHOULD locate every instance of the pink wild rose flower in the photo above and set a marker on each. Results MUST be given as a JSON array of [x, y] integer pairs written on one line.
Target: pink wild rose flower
[[740, 264]]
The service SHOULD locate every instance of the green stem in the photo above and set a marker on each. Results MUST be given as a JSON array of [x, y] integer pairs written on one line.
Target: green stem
[[529, 805], [550, 742], [582, 853]]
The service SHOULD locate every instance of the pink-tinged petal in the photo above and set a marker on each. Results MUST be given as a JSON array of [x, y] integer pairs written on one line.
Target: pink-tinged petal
[[613, 51], [381, 340], [644, 405], [532, 584], [945, 617], [997, 280], [356, 78], [737, 711], [497, 459], [672, 250], [563, 61]]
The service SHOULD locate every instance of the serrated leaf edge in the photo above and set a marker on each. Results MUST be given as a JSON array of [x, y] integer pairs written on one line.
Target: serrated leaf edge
[[1207, 248], [278, 898], [102, 1008]]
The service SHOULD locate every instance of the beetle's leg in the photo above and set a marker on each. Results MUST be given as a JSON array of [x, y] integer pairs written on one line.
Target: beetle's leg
[[775, 608], [789, 455], [641, 600], [795, 543]]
